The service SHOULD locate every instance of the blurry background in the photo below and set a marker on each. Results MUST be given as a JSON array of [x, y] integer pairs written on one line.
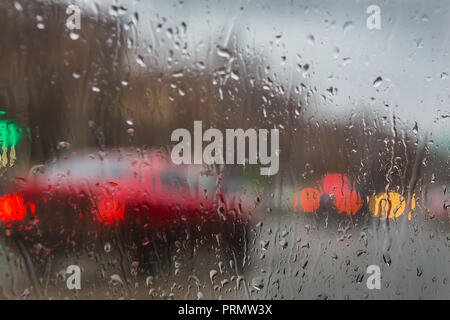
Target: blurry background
[[371, 104]]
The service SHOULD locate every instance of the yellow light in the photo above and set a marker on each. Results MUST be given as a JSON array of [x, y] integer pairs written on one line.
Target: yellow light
[[389, 205]]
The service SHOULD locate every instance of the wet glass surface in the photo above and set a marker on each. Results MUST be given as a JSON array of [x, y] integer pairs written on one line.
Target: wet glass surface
[[92, 91]]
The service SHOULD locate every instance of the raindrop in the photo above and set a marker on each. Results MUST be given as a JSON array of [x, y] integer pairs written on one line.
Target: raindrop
[[212, 275], [140, 61], [359, 278], [258, 283], [200, 65], [377, 82], [74, 36], [304, 263], [419, 271], [265, 244], [18, 6], [433, 178], [346, 61], [38, 169], [64, 145], [149, 282], [283, 243], [419, 43], [348, 26], [177, 74], [115, 280], [234, 76], [387, 259], [223, 52]]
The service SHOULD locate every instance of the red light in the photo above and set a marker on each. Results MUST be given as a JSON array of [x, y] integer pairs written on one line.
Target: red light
[[110, 211], [344, 194], [12, 208], [32, 207]]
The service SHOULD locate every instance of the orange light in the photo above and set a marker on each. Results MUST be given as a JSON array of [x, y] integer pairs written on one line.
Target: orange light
[[309, 199], [295, 201]]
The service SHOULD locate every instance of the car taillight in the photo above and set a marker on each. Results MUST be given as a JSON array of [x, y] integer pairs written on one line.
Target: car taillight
[[334, 192], [13, 208]]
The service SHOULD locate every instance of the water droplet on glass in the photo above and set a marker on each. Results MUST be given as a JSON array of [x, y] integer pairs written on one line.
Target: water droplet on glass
[[140, 61], [387, 259], [377, 82], [64, 145], [74, 36], [258, 283], [18, 6], [347, 26], [223, 52], [419, 271], [212, 275], [115, 280]]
